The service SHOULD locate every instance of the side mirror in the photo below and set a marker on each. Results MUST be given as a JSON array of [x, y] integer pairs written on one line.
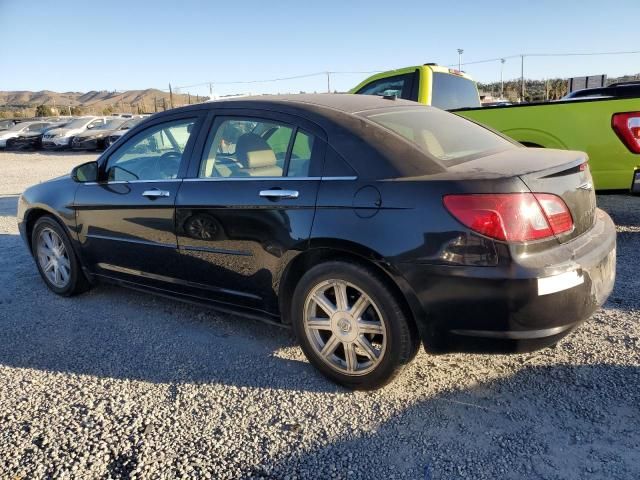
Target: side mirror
[[90, 126], [86, 172]]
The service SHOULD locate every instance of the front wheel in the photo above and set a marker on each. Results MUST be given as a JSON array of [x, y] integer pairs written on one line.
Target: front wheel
[[55, 258], [350, 326]]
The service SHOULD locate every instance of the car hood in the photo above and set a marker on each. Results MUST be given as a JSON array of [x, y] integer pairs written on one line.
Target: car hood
[[30, 134], [4, 135]]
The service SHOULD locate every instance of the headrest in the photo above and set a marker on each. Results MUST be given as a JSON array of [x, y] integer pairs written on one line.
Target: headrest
[[252, 151]]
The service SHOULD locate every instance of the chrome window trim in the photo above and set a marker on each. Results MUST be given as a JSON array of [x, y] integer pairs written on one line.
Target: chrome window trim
[[121, 182], [235, 179]]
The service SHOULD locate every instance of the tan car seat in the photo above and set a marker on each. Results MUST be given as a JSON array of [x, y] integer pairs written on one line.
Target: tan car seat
[[256, 157]]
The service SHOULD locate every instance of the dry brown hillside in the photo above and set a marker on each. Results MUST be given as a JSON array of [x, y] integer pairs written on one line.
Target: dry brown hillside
[[96, 102]]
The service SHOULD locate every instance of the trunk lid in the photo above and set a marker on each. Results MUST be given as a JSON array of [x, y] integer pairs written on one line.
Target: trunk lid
[[571, 180], [560, 172]]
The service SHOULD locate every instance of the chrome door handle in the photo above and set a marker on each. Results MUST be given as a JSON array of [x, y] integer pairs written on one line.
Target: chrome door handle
[[155, 193], [279, 193]]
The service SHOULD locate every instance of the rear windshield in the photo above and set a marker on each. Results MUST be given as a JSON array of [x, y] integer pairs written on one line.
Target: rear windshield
[[445, 136], [452, 91]]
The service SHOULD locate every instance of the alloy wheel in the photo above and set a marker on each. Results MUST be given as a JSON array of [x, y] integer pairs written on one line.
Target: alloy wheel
[[345, 327], [53, 258]]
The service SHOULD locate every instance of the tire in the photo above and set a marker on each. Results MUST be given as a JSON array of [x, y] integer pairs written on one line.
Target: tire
[[46, 238], [391, 341]]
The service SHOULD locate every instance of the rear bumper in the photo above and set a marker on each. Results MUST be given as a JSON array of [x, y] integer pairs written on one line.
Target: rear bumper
[[529, 304]]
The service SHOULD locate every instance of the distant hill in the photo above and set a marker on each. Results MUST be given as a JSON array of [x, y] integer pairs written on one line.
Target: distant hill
[[150, 100]]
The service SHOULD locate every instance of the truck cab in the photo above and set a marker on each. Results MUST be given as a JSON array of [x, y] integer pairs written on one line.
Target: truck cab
[[430, 84]]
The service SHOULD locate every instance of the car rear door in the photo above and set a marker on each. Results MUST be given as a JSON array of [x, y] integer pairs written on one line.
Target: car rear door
[[126, 221], [247, 207]]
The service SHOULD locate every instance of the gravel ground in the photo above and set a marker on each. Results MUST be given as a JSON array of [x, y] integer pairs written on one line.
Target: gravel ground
[[118, 384]]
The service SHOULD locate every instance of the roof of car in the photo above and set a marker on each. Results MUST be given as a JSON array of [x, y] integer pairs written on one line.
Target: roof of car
[[343, 102], [354, 137]]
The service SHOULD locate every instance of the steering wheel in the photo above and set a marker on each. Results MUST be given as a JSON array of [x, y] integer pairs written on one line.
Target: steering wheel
[[168, 164]]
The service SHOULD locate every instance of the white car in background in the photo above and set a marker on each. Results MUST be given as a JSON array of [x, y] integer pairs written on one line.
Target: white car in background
[[19, 129], [61, 137]]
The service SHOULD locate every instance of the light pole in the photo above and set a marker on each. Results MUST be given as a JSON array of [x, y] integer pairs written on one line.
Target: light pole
[[502, 60], [460, 52], [521, 78]]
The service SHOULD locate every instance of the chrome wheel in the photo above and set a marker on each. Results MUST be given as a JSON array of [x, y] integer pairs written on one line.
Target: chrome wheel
[[53, 258], [345, 327]]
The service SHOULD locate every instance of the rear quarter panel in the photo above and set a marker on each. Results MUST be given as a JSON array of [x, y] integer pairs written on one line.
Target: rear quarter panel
[[571, 125]]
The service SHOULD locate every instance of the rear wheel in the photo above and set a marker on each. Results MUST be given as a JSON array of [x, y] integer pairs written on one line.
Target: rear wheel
[[55, 258], [350, 326]]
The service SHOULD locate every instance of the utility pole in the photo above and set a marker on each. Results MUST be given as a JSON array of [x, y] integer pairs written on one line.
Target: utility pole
[[460, 52], [170, 96], [328, 82], [189, 96], [502, 60], [155, 104], [521, 78], [210, 90]]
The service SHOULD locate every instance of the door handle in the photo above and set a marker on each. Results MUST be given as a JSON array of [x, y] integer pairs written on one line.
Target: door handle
[[279, 193], [155, 193]]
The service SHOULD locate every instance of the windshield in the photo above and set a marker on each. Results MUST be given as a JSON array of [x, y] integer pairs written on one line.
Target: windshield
[[111, 124], [453, 91], [130, 123], [445, 136], [78, 123]]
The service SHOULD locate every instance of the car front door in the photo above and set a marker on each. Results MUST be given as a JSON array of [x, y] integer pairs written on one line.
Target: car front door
[[247, 207], [125, 221]]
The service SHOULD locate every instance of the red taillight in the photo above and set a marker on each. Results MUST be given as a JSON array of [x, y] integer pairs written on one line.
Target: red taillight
[[627, 127], [512, 217]]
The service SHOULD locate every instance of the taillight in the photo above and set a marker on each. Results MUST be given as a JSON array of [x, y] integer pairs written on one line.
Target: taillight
[[627, 127], [512, 217]]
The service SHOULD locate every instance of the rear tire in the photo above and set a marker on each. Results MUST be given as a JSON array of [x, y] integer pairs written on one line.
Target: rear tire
[[350, 325], [56, 261]]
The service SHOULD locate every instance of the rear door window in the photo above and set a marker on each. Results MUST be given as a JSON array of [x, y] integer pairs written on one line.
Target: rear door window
[[254, 147]]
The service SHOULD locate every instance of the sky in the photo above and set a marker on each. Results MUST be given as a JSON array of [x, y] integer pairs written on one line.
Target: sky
[[70, 45]]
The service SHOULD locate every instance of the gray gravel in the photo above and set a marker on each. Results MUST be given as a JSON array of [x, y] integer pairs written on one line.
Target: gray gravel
[[118, 384]]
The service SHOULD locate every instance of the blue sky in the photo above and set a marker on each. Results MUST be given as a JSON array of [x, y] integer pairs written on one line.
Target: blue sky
[[70, 45]]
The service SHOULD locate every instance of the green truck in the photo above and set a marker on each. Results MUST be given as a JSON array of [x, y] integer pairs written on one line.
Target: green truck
[[605, 127]]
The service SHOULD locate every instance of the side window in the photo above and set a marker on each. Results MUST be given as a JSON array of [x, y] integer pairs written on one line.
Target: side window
[[95, 123], [400, 86], [153, 154], [301, 155], [246, 147]]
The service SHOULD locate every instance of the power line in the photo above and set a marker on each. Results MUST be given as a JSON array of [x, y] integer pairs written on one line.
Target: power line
[[569, 54], [279, 79]]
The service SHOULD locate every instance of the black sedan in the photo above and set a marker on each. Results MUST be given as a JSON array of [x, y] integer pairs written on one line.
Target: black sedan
[[94, 138], [369, 225]]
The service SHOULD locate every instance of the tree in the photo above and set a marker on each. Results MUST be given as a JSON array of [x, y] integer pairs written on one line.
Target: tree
[[45, 111]]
